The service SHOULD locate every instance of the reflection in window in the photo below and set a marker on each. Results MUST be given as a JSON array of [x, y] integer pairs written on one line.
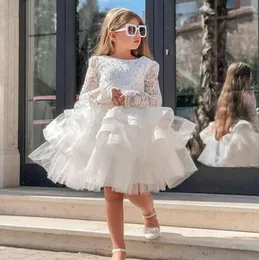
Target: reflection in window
[[232, 139], [40, 69], [230, 4], [90, 21], [186, 12], [203, 55]]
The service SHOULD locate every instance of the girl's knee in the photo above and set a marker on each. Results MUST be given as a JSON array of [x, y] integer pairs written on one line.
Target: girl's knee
[[112, 195], [139, 196]]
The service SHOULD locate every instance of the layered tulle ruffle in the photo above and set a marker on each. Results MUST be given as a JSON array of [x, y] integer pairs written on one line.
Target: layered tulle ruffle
[[131, 150], [239, 148]]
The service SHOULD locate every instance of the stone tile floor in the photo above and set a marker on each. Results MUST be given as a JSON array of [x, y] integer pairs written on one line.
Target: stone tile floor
[[10, 253]]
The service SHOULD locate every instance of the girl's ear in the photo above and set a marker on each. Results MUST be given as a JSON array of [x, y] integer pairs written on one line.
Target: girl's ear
[[112, 36]]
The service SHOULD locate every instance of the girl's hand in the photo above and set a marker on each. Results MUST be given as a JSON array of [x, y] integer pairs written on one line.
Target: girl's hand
[[122, 100], [116, 94]]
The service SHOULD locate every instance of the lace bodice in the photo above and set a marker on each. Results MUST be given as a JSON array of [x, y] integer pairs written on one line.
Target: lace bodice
[[137, 79], [250, 110]]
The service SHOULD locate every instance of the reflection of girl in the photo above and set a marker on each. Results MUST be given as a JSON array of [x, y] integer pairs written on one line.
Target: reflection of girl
[[233, 139], [118, 136]]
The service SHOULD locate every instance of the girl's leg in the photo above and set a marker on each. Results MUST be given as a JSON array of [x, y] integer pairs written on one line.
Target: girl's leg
[[115, 220], [146, 204]]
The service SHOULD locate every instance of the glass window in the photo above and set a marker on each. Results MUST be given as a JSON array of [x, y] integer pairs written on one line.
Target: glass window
[[230, 4], [40, 69], [91, 14], [217, 82], [254, 3], [186, 11]]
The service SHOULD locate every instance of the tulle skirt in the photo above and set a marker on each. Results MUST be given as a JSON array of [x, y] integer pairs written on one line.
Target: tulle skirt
[[239, 148], [131, 150]]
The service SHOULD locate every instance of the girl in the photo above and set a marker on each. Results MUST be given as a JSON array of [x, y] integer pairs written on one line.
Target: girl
[[233, 140], [118, 136]]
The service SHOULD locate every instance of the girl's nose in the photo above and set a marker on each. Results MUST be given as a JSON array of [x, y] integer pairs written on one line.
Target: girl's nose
[[137, 36]]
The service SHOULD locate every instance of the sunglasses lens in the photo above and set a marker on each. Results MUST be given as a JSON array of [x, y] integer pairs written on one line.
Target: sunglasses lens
[[132, 30], [142, 31]]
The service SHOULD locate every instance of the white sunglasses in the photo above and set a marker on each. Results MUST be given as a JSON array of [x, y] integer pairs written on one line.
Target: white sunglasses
[[133, 29]]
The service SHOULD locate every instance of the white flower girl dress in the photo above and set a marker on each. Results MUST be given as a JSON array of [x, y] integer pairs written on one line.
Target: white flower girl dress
[[136, 148]]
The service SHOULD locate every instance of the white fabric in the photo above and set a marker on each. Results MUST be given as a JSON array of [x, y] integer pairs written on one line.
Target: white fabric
[[138, 79], [239, 148], [134, 149]]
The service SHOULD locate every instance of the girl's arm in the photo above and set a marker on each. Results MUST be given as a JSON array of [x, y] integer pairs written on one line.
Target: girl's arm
[[90, 89], [250, 106], [152, 95]]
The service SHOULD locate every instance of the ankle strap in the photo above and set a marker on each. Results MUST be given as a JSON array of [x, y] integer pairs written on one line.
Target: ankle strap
[[119, 250], [151, 216]]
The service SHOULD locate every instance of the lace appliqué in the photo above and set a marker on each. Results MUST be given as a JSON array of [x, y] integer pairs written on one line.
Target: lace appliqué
[[138, 80], [250, 106], [151, 97], [90, 89]]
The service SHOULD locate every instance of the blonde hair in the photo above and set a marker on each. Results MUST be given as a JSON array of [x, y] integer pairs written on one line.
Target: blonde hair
[[115, 19], [231, 100]]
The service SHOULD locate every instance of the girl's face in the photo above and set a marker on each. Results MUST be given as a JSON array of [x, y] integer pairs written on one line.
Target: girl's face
[[123, 41]]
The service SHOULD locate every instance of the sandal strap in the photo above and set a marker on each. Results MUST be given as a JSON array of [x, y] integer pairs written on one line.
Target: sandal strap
[[119, 250], [151, 216]]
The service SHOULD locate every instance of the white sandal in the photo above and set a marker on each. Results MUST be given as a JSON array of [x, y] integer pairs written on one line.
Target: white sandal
[[119, 250], [153, 232]]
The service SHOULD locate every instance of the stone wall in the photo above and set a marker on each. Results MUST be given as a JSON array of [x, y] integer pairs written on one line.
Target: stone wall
[[9, 71]]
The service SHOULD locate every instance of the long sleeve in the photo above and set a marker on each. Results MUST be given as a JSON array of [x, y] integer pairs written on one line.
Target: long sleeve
[[151, 97], [90, 89], [250, 107]]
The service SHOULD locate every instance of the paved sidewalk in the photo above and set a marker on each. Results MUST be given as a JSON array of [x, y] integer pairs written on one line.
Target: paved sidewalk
[[9, 253]]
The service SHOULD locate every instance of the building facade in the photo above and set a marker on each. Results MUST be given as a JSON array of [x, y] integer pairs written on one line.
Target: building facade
[[45, 47]]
